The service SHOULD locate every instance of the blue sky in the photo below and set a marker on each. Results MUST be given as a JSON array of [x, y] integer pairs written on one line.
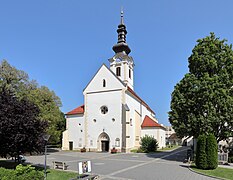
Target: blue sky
[[62, 43]]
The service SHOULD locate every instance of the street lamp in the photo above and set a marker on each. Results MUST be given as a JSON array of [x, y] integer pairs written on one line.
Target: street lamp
[[46, 138]]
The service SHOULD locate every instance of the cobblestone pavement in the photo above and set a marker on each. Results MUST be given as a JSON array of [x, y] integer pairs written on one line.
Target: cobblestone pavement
[[122, 166]]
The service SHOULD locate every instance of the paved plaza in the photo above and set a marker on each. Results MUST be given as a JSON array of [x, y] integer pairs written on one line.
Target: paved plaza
[[122, 166]]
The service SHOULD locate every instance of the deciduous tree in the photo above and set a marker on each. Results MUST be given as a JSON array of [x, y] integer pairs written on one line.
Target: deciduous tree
[[18, 82], [202, 102], [21, 130]]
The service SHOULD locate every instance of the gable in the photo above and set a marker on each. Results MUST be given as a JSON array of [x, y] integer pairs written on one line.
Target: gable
[[148, 122], [96, 84]]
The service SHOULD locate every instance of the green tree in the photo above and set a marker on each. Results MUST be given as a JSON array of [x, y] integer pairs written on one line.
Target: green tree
[[18, 82], [148, 144], [21, 130], [202, 102], [201, 157], [49, 104], [211, 152]]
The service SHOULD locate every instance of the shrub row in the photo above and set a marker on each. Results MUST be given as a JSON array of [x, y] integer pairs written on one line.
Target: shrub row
[[207, 152]]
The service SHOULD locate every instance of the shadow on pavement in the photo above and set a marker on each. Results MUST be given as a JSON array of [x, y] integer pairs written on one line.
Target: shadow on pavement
[[179, 155]]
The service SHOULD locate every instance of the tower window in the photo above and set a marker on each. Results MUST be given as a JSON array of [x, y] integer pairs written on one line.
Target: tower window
[[129, 73], [104, 83], [118, 71]]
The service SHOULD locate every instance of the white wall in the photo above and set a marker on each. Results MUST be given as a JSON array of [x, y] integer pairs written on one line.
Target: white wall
[[96, 84], [157, 133], [104, 122], [75, 124]]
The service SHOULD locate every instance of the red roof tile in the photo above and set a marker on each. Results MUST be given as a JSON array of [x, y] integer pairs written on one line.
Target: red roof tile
[[143, 102], [78, 110], [148, 122]]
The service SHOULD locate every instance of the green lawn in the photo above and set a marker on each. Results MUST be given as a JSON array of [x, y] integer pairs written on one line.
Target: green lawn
[[219, 172], [171, 147], [60, 175]]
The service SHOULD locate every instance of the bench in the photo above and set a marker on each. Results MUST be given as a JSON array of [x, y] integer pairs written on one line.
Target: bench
[[57, 164]]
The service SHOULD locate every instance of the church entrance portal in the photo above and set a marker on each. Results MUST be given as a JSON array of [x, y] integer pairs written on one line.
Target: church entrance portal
[[103, 142], [105, 146]]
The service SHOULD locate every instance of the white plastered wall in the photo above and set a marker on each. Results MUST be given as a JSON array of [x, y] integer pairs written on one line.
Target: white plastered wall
[[75, 131]]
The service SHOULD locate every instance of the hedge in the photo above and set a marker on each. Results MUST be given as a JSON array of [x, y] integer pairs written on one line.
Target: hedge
[[201, 157], [211, 152]]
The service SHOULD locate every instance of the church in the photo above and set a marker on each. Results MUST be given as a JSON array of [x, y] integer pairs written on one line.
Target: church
[[113, 115]]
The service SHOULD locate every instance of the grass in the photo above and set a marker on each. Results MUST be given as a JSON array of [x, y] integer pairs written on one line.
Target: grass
[[134, 150], [225, 173], [170, 147], [60, 175]]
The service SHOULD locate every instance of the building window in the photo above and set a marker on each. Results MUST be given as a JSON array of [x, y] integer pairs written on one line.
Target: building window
[[131, 122], [104, 109], [80, 142], [94, 120], [113, 119], [117, 142], [129, 73], [91, 142], [118, 71], [104, 83]]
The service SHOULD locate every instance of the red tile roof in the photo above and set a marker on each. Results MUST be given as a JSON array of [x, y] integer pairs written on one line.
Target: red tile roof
[[78, 110], [143, 102], [148, 122]]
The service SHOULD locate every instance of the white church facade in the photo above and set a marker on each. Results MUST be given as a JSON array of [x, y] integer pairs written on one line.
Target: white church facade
[[113, 115]]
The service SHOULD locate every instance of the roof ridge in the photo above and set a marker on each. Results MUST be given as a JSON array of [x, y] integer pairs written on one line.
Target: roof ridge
[[143, 102]]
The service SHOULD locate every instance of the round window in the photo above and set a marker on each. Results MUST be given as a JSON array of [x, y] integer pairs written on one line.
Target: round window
[[104, 109]]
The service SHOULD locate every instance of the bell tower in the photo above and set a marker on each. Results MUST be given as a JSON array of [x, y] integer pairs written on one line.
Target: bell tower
[[121, 63]]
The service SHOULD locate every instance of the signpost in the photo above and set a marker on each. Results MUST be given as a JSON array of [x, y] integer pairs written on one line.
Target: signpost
[[84, 167]]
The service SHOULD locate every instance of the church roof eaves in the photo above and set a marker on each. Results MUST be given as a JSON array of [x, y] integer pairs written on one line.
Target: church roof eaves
[[140, 99], [148, 122], [78, 110]]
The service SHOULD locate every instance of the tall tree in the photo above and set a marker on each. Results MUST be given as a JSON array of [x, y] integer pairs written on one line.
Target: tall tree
[[20, 128], [18, 82], [202, 102]]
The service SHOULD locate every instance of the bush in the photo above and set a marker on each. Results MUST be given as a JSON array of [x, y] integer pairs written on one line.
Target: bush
[[5, 173], [211, 152], [21, 173], [201, 159], [230, 159], [148, 144]]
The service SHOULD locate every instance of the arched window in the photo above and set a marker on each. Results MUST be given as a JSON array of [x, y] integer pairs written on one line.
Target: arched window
[[104, 83], [118, 71], [129, 73]]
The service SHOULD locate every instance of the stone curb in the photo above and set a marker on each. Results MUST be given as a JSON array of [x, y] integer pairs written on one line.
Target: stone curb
[[205, 174]]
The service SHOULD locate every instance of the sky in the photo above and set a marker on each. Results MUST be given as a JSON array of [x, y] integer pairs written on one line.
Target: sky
[[62, 43]]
